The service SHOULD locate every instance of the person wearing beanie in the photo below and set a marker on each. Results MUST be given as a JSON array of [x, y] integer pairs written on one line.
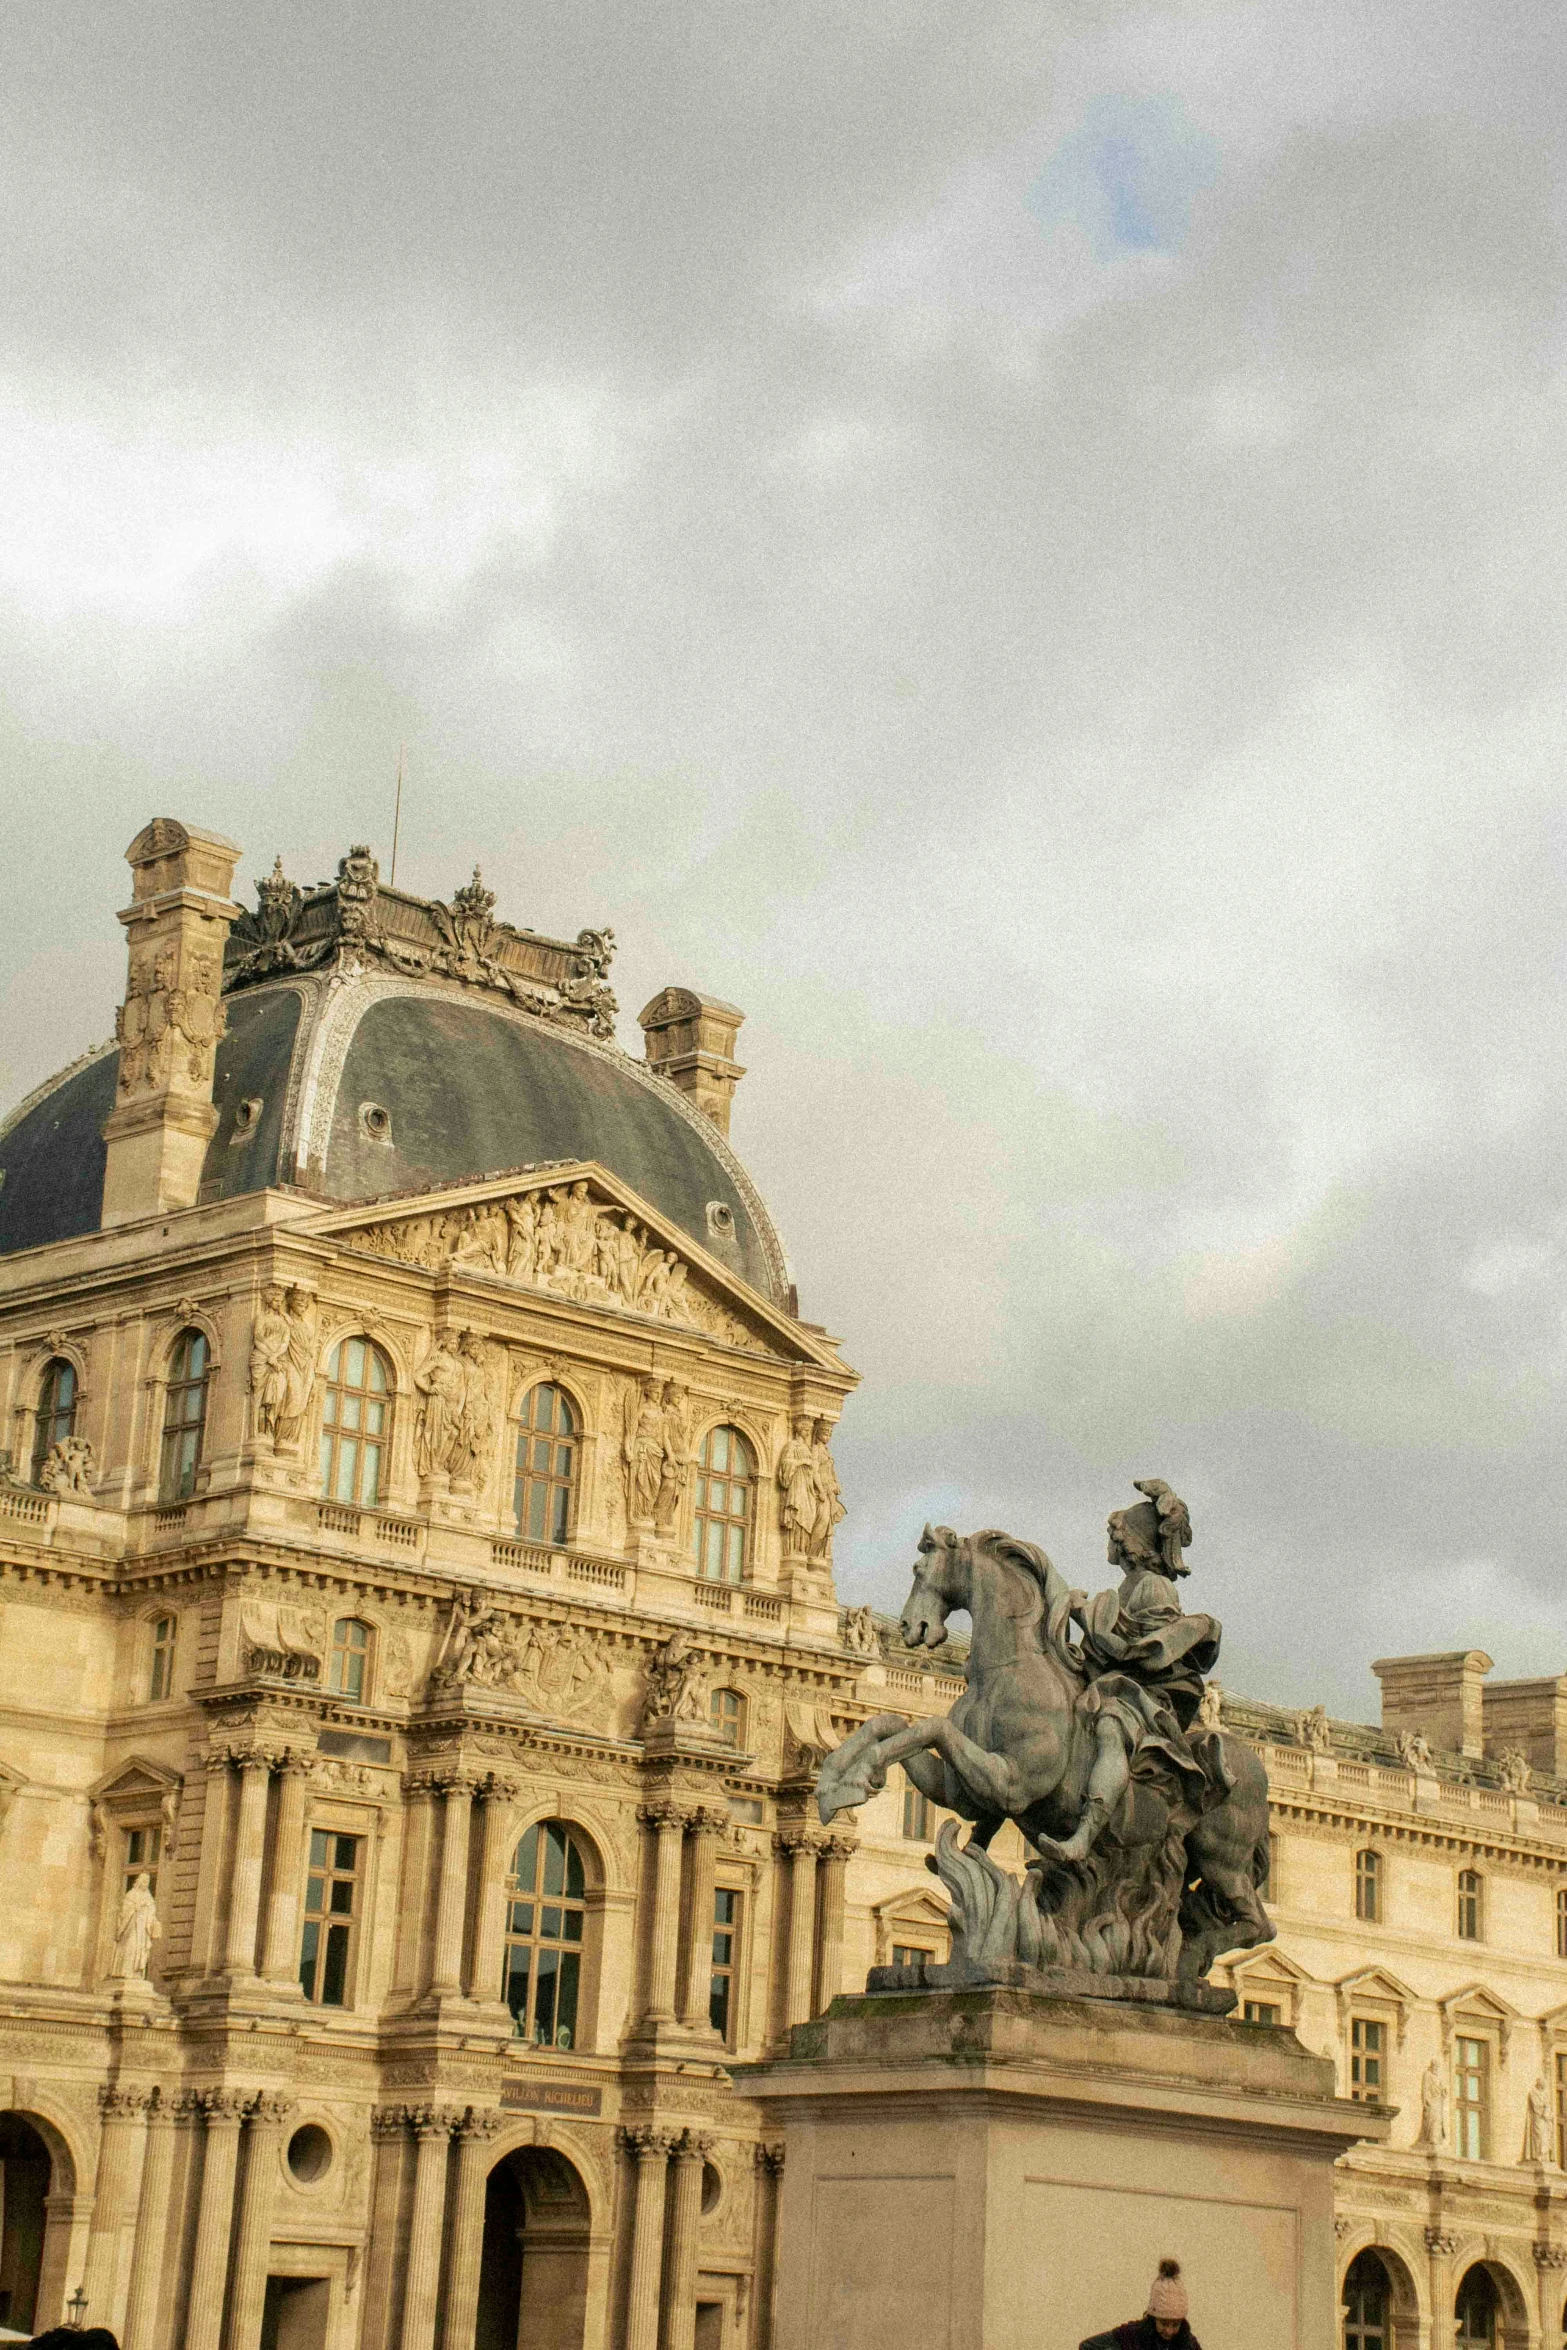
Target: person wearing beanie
[[1164, 2320]]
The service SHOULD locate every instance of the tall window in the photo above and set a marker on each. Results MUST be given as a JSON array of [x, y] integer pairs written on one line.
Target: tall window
[[143, 1851], [350, 1659], [331, 1911], [355, 1424], [726, 1711], [1367, 2060], [1475, 2311], [161, 1679], [544, 1919], [1561, 2112], [916, 1814], [546, 1465], [56, 1410], [725, 1490], [1368, 1887], [1366, 2304], [1561, 1923], [1471, 1897], [722, 2005], [1470, 2061], [184, 1416], [1260, 2011]]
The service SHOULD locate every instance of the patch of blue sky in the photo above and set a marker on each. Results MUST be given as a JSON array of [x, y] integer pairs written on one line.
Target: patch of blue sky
[[1128, 176]]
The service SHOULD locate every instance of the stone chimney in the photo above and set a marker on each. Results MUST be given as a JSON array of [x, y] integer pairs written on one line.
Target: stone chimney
[[690, 1040], [1438, 1697], [170, 1022]]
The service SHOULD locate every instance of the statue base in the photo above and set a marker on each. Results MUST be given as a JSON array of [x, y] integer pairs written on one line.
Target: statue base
[[1053, 1983], [1003, 2169]]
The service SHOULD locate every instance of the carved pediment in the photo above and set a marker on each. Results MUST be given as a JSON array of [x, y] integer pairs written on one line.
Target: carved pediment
[[576, 1233]]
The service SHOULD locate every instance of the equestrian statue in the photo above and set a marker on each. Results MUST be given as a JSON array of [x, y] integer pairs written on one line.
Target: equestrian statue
[[1080, 1721]]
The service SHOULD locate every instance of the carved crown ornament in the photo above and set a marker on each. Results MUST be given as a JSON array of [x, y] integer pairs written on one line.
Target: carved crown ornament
[[354, 923], [575, 1232]]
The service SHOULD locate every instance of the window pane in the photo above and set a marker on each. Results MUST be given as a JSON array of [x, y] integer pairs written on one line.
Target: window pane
[[334, 1975]]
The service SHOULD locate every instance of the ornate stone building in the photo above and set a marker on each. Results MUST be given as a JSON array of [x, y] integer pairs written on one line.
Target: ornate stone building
[[418, 1640]]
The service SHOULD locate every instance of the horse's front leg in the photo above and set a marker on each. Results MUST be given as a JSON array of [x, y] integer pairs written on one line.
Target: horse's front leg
[[991, 1782], [854, 1771]]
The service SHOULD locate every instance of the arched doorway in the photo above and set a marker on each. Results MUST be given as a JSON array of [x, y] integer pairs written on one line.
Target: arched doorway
[[1368, 2304], [533, 2280], [28, 2178], [1476, 2311]]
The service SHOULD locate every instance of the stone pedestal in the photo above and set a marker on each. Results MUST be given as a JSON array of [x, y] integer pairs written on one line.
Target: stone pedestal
[[998, 2169]]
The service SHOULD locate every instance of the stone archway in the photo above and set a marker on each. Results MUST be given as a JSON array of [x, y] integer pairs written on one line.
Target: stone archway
[[533, 2277], [30, 2181], [1490, 2309]]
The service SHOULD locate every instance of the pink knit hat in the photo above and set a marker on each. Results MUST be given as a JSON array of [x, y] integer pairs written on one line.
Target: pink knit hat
[[1167, 2295]]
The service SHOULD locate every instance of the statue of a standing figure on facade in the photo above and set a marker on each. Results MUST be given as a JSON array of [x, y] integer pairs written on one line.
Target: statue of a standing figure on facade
[[1537, 2130], [829, 1499], [1433, 2107], [136, 1929], [438, 1434], [1150, 1825], [797, 1495], [643, 1451], [269, 1335]]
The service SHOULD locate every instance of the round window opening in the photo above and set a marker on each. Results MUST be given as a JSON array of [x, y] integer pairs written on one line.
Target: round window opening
[[712, 2186], [376, 1122], [310, 2153]]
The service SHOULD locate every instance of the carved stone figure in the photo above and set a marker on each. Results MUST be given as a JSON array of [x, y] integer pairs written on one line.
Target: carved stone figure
[[454, 1658], [1312, 1729], [677, 1686], [859, 1632], [674, 1458], [1537, 2129], [643, 1450], [171, 1020], [302, 1344], [1211, 1711], [479, 1416], [69, 1468], [438, 1433], [1152, 1830], [1433, 2107], [269, 1360], [1415, 1749], [829, 1500], [136, 1929], [1515, 1770], [564, 1242], [798, 1498]]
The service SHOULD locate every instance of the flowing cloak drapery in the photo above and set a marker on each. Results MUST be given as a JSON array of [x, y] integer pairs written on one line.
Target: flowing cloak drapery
[[1146, 1662]]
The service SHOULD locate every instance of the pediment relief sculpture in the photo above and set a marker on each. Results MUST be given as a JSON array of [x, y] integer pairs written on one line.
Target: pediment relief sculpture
[[567, 1243]]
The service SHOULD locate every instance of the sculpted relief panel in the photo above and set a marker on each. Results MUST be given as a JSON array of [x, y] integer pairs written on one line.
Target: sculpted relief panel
[[170, 1022], [560, 1670], [569, 1245]]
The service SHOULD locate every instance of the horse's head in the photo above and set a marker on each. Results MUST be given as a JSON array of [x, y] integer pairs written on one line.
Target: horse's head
[[939, 1587]]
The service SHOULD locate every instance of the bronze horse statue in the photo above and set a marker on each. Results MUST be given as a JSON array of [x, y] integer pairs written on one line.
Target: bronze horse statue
[[1019, 1745]]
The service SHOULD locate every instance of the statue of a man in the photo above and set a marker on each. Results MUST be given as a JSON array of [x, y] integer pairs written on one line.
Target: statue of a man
[[797, 1488], [1145, 1662], [1433, 2107], [478, 1415], [829, 1498], [674, 1458], [301, 1364], [135, 1932], [439, 1433], [1537, 2132]]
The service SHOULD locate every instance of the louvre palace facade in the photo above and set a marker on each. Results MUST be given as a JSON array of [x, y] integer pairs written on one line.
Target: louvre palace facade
[[418, 1637]]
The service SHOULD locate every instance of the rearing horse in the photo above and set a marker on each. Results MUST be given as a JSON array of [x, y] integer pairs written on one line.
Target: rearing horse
[[1015, 1745]]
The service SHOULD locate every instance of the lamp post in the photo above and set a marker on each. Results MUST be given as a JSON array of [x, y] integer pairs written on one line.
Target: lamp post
[[77, 2305]]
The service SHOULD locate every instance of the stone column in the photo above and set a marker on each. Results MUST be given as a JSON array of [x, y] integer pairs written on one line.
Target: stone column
[[489, 1937], [280, 1956], [668, 1823], [263, 2132], [837, 1851], [705, 1825], [474, 2133], [124, 2124], [769, 2171], [1444, 2283], [245, 1876], [432, 2126], [685, 2226], [650, 2150], [451, 1903], [207, 1925], [152, 2223], [798, 1845], [224, 2109]]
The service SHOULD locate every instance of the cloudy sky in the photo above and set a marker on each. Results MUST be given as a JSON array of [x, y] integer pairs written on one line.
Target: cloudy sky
[[1025, 546]]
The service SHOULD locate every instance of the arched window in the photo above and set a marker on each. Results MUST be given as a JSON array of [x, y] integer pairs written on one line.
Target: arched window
[[1368, 1887], [1475, 2310], [356, 1424], [725, 1495], [1471, 1905], [350, 1659], [546, 1465], [1366, 2300], [726, 1712], [184, 1416], [543, 1966], [56, 1410]]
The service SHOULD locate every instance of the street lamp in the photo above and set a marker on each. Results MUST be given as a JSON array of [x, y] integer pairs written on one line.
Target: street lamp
[[77, 2305]]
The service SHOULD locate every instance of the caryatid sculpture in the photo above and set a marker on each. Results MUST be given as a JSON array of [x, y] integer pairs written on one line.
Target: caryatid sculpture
[[1150, 1826]]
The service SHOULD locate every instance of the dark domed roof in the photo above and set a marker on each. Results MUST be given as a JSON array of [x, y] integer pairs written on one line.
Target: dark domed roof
[[364, 1084]]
